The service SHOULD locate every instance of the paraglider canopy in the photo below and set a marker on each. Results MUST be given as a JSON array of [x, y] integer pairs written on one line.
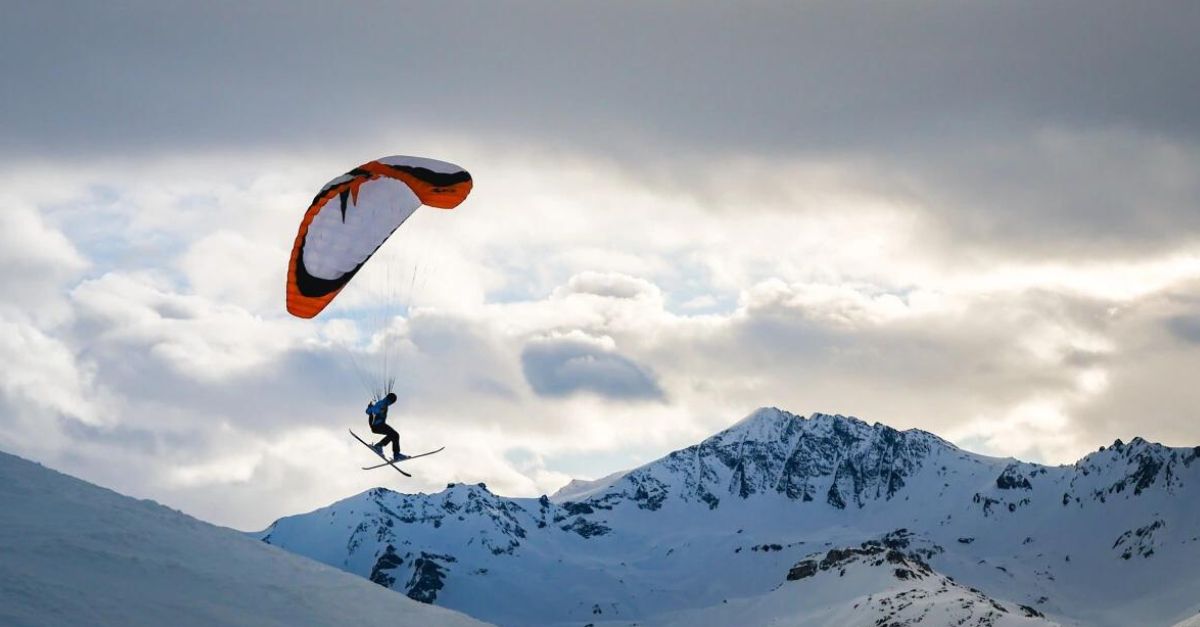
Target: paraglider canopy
[[354, 214]]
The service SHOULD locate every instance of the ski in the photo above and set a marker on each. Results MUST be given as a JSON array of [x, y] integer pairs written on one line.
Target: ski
[[389, 463], [405, 459]]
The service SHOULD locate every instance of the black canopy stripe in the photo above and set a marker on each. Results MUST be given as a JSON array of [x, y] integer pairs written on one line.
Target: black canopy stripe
[[344, 196], [437, 179]]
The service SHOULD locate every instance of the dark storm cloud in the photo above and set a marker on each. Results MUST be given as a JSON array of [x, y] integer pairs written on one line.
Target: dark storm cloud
[[87, 78], [562, 367], [1101, 195], [955, 106], [1186, 328]]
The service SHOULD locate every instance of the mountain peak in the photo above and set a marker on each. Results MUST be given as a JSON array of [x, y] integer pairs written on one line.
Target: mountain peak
[[774, 416], [765, 414], [837, 459], [767, 432], [839, 504], [768, 423], [467, 488]]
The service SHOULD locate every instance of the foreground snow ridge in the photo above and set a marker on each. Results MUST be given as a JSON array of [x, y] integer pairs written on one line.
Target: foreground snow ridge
[[74, 554], [787, 520]]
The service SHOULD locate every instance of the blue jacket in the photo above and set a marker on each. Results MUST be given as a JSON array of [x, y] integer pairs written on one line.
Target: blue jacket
[[377, 411]]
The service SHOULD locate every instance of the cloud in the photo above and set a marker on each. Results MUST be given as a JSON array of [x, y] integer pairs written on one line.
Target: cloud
[[189, 333], [611, 285], [782, 77], [38, 261], [1063, 194], [41, 375], [560, 366], [1148, 389], [1186, 327], [230, 267], [973, 124]]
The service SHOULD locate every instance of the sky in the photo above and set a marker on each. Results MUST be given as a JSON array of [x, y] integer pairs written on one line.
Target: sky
[[977, 219]]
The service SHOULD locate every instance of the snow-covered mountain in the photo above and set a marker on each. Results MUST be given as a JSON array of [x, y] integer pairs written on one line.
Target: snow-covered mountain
[[786, 520], [72, 553]]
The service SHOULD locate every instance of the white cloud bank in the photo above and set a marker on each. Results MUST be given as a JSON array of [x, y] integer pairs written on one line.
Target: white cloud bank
[[572, 308]]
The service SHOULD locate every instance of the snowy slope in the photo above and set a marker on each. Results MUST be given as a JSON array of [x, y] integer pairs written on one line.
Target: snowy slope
[[717, 527], [881, 582], [1193, 621], [72, 553], [579, 489]]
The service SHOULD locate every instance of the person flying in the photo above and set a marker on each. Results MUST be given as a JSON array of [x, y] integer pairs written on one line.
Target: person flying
[[377, 417]]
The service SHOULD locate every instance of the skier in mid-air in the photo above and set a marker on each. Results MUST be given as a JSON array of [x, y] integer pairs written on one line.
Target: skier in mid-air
[[377, 417], [377, 412]]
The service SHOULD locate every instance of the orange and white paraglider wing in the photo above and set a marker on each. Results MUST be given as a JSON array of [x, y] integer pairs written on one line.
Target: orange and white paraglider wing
[[353, 215]]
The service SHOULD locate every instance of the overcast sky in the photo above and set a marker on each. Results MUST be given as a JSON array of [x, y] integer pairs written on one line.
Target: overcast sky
[[978, 219]]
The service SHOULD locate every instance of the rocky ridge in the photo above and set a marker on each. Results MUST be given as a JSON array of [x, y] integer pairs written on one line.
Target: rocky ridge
[[770, 495]]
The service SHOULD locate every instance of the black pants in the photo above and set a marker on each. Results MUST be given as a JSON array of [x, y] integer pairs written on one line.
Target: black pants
[[389, 434]]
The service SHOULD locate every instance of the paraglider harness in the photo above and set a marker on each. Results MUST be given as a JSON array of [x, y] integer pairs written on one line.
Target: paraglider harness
[[377, 417]]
